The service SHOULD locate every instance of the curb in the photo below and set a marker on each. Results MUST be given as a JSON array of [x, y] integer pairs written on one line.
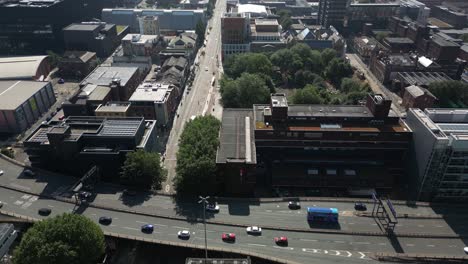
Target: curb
[[399, 257]]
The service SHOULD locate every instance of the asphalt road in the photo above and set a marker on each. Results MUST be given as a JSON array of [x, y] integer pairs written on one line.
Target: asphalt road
[[302, 247], [200, 99]]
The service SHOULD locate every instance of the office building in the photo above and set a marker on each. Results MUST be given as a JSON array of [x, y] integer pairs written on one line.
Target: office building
[[318, 148], [439, 154], [398, 45], [8, 235], [77, 64], [359, 12], [113, 109], [22, 103], [76, 144], [24, 68], [235, 33], [332, 13], [455, 19], [149, 25], [98, 37]]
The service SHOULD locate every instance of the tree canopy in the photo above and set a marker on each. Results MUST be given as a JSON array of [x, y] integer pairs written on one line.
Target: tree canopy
[[196, 157], [66, 238], [284, 18], [308, 95], [244, 91], [336, 70], [200, 31], [248, 63], [143, 170], [451, 94]]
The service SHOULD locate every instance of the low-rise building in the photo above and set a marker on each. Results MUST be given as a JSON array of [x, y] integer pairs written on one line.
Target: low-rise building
[[85, 102], [22, 103], [184, 44], [443, 51], [420, 78], [398, 45], [417, 97], [76, 144], [455, 19], [77, 64], [265, 35], [364, 46], [24, 68], [113, 109], [141, 45]]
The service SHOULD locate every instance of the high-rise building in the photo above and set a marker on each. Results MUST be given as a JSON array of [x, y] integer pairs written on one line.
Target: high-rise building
[[332, 12], [235, 33], [149, 25]]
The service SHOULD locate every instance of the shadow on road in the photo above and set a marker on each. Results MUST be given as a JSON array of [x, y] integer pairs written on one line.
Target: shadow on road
[[137, 199], [189, 208], [395, 243], [323, 225]]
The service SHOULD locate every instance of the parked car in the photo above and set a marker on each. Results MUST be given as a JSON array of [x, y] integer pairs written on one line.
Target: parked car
[[254, 230], [84, 195], [360, 207], [184, 234], [148, 228], [1, 204], [61, 117], [44, 211], [212, 208], [29, 173], [1, 172], [105, 220], [61, 81], [294, 205], [281, 240], [466, 250], [228, 237]]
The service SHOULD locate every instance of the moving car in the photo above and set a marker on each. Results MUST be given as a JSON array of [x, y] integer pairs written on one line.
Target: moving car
[[148, 228], [105, 220], [466, 250], [206, 68], [61, 81], [29, 173], [293, 205], [229, 237], [360, 207], [1, 172], [44, 211], [254, 230], [1, 204], [212, 208], [281, 240], [184, 234]]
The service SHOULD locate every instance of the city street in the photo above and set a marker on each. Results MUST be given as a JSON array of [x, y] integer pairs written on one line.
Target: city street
[[201, 98]]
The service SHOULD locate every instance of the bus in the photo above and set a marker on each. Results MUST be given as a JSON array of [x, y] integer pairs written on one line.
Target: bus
[[320, 214]]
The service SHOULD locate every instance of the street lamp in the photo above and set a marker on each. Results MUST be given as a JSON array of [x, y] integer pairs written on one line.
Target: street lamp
[[204, 200]]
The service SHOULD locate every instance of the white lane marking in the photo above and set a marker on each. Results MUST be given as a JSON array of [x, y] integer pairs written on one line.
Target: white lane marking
[[258, 245], [349, 254], [26, 196], [337, 241], [325, 251], [360, 243], [311, 249], [310, 240], [26, 205], [18, 202], [290, 248], [430, 245], [112, 225], [439, 226], [94, 214], [208, 231], [362, 255], [268, 211], [178, 227], [452, 246], [51, 206], [130, 228], [382, 244], [141, 222], [33, 199], [374, 224], [337, 252], [410, 245]]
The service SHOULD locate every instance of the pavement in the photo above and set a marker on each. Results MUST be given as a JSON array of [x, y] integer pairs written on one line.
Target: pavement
[[201, 98]]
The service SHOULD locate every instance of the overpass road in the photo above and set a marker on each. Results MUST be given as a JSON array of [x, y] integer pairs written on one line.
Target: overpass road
[[302, 248]]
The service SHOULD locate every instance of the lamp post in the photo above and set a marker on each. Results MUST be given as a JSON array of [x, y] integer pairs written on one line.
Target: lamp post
[[204, 200]]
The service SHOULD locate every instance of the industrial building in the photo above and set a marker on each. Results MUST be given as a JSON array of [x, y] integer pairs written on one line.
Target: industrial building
[[439, 154], [76, 144], [24, 68], [22, 103], [320, 149]]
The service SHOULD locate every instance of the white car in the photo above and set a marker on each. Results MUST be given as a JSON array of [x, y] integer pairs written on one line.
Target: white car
[[1, 204], [1, 172], [466, 250], [212, 208], [183, 234], [206, 68], [255, 230]]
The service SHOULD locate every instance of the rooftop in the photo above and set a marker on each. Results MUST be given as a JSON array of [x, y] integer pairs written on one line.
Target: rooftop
[[157, 93], [114, 107], [266, 22], [15, 93], [84, 26], [140, 39], [104, 75], [216, 261], [417, 91], [250, 8], [444, 43], [423, 78], [20, 67], [29, 3], [391, 40]]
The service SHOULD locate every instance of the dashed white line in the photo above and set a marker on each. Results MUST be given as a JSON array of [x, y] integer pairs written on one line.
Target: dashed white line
[[410, 245], [360, 243], [430, 245], [382, 244], [51, 206], [257, 245], [179, 227], [310, 240], [130, 228], [337, 241]]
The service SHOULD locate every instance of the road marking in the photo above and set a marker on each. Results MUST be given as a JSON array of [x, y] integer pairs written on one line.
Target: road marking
[[51, 206], [26, 196], [362, 255], [430, 245], [325, 251], [269, 211], [258, 245], [26, 205], [439, 226], [130, 228], [374, 224], [452, 246], [140, 222], [18, 202], [20, 186], [33, 199], [382, 244], [310, 240], [178, 227], [311, 249], [419, 225], [167, 188], [360, 243], [94, 214], [350, 223], [337, 252], [337, 241], [410, 245], [349, 254]]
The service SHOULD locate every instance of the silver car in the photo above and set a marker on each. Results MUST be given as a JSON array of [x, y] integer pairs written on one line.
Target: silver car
[[184, 234], [254, 230]]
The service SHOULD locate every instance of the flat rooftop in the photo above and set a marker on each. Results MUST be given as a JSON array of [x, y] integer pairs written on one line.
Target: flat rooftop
[[103, 75], [391, 40], [15, 93], [266, 22], [146, 94], [83, 27], [114, 107]]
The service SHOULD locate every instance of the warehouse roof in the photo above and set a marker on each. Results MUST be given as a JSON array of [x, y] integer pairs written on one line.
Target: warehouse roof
[[104, 75], [15, 93], [20, 67]]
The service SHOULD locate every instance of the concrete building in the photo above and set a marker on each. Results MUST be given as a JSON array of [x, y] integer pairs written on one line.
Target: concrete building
[[320, 148], [332, 13], [420, 78], [417, 97], [364, 46], [87, 100], [377, 12], [98, 37], [456, 19], [149, 25], [184, 44], [442, 51], [140, 45], [24, 68], [170, 21], [113, 109], [251, 10], [235, 33], [22, 103], [398, 45], [155, 101], [77, 64], [439, 154], [265, 35], [8, 235], [74, 145]]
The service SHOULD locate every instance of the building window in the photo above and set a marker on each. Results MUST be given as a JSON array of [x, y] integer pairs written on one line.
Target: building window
[[331, 171], [312, 172]]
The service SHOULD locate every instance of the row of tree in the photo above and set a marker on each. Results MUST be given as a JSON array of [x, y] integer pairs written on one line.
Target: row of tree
[[450, 94]]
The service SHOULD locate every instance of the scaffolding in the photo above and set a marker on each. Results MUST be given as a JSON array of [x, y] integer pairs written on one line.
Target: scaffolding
[[385, 213]]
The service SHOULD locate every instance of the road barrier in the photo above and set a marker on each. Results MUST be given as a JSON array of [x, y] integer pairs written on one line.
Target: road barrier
[[419, 258]]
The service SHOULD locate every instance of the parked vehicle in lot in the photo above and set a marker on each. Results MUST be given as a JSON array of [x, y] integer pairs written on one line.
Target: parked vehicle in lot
[[281, 240], [105, 220], [184, 234], [294, 205], [254, 230], [212, 208], [148, 228], [29, 173], [44, 211], [228, 237], [360, 206]]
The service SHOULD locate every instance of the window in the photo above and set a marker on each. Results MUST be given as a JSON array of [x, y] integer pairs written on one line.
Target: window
[[312, 172], [330, 126], [331, 171], [350, 172]]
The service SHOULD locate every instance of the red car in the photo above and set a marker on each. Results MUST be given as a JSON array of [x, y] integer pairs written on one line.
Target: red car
[[281, 240], [231, 237]]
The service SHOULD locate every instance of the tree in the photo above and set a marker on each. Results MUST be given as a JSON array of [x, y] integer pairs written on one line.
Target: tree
[[143, 170], [285, 18], [249, 63], [350, 85], [327, 56], [338, 69], [245, 91], [380, 36], [451, 94], [301, 78], [66, 238], [54, 58], [200, 31], [464, 37], [196, 157], [308, 95]]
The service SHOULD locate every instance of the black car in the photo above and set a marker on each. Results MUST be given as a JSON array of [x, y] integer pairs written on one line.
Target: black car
[[85, 195], [44, 211], [105, 220], [29, 173], [293, 205], [360, 207]]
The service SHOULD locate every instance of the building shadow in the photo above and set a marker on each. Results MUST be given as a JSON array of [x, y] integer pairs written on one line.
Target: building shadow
[[188, 207], [393, 239]]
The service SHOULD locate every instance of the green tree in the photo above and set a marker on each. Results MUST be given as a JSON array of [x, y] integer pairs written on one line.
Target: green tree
[[450, 94], [301, 78], [143, 170], [308, 95], [380, 36], [327, 56], [464, 37], [196, 157], [336, 70], [54, 58], [354, 97], [248, 63], [66, 238], [350, 85], [200, 29], [245, 91], [285, 18]]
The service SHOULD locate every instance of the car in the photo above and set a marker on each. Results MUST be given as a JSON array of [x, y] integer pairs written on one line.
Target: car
[[254, 230], [294, 205], [105, 220], [206, 68], [281, 240], [184, 234], [29, 173], [44, 123], [61, 117], [48, 118], [44, 211], [148, 228], [84, 195], [465, 249], [1, 172], [360, 206], [212, 208], [61, 81], [229, 237], [1, 204]]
